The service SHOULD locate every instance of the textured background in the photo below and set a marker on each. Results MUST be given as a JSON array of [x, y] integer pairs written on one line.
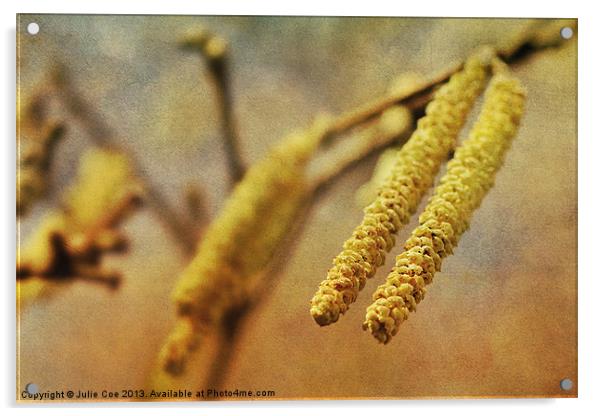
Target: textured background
[[500, 319]]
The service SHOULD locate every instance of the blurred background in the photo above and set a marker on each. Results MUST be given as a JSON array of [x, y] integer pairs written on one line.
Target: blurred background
[[499, 320]]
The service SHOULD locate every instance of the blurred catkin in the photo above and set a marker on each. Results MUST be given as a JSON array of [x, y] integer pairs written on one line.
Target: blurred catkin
[[392, 125], [468, 178], [240, 243], [69, 242], [39, 133], [105, 179], [405, 83], [416, 165]]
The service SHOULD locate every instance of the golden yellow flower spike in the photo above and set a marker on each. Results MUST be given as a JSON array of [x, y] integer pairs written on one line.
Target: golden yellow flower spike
[[413, 173], [242, 240], [468, 178]]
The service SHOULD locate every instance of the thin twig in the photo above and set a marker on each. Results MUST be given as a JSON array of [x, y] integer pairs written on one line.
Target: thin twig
[[370, 140], [536, 38], [412, 99], [98, 130], [226, 346], [214, 50], [196, 204], [232, 143]]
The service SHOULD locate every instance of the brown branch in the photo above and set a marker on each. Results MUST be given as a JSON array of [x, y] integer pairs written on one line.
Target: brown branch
[[38, 135], [413, 98], [34, 164], [226, 346], [537, 37], [214, 50], [97, 129], [71, 242], [394, 125], [196, 204]]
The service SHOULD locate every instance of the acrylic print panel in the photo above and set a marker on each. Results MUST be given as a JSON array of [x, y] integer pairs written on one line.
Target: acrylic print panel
[[242, 208]]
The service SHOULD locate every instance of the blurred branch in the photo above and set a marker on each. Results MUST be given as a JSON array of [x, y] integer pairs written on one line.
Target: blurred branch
[[536, 37], [38, 135], [34, 165], [230, 333], [538, 34], [394, 123], [96, 127], [195, 200], [214, 50]]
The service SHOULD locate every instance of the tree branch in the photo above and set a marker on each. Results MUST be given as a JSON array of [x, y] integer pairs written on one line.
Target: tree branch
[[214, 50], [93, 123]]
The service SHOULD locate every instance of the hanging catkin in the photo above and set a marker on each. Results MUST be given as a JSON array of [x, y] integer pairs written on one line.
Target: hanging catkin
[[241, 241], [413, 173], [468, 178]]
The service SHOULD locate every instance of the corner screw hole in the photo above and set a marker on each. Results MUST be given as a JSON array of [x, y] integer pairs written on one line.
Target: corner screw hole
[[33, 28], [566, 384], [566, 32], [31, 388]]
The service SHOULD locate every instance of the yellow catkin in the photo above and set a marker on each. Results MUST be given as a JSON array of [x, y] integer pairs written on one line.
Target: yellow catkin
[[104, 177], [100, 198], [416, 165], [240, 243], [468, 178]]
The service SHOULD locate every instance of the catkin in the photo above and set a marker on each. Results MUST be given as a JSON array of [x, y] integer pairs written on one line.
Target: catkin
[[105, 192], [416, 165], [105, 182], [105, 178], [239, 244], [468, 178], [394, 123]]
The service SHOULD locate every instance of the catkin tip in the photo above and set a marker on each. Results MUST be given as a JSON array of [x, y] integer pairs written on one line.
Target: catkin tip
[[180, 343], [377, 331], [323, 314]]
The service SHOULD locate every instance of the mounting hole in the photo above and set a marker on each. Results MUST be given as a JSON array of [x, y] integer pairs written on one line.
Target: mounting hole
[[33, 28], [566, 384], [32, 388], [566, 32]]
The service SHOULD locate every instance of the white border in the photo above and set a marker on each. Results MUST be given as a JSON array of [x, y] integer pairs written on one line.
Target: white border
[[590, 231]]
